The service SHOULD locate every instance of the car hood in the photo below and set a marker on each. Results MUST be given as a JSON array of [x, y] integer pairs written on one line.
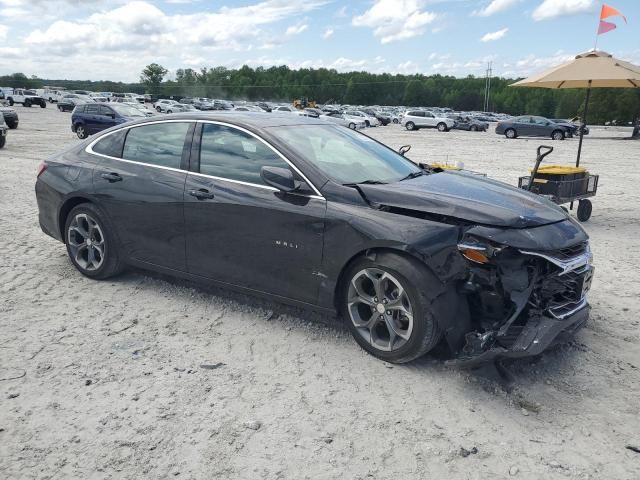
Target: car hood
[[466, 197]]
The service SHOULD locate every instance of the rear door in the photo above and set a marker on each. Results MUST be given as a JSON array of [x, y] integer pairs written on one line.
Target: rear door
[[140, 184], [91, 117], [241, 231]]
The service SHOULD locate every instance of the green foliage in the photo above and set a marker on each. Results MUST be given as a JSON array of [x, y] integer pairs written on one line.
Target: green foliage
[[280, 83], [152, 77]]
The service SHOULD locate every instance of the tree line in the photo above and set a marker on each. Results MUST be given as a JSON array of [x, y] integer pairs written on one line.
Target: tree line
[[281, 83]]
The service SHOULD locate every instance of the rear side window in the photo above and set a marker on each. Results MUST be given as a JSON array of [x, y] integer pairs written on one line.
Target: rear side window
[[111, 145], [91, 108], [159, 144], [235, 155]]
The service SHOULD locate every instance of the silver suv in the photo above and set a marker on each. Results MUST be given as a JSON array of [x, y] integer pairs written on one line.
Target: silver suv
[[415, 119]]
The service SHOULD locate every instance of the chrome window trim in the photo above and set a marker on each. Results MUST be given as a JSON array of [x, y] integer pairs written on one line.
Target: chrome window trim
[[89, 150]]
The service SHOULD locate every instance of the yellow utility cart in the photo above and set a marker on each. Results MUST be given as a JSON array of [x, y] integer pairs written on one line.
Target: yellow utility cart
[[562, 184]]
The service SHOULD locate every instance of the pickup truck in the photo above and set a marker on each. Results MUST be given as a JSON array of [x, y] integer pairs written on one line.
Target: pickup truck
[[26, 97]]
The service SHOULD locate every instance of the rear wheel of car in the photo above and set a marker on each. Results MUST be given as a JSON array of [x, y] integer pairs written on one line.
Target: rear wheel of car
[[27, 104], [557, 135], [510, 133], [410, 126], [442, 127], [43, 104], [473, 128], [367, 123], [11, 102], [387, 309], [158, 109], [90, 244], [584, 210], [395, 120], [352, 126], [3, 141], [12, 125], [81, 132]]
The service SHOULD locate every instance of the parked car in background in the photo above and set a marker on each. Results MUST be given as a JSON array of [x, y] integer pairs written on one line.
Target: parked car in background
[[162, 105], [416, 119], [3, 132], [98, 98], [181, 107], [222, 105], [383, 118], [468, 123], [283, 109], [91, 118], [247, 108], [572, 125], [369, 121], [26, 98], [69, 101], [354, 123], [532, 126], [10, 117]]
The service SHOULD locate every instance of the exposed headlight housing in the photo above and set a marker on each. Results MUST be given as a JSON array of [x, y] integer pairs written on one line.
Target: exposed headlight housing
[[478, 251]]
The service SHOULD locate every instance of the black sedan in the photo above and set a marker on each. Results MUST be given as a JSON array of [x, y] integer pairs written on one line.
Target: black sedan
[[469, 124], [318, 215], [10, 117], [532, 126]]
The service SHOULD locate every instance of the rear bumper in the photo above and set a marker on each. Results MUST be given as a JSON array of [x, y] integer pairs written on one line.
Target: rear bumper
[[538, 335], [48, 207]]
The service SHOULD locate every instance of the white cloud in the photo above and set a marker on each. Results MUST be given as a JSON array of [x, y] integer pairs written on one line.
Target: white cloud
[[296, 29], [496, 6], [492, 36], [394, 20], [3, 32], [407, 67], [557, 8], [328, 33]]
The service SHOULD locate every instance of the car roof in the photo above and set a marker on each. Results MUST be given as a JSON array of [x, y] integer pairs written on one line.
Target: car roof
[[251, 120]]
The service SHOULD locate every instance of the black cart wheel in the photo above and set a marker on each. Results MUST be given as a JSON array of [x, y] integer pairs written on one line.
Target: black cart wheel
[[584, 210]]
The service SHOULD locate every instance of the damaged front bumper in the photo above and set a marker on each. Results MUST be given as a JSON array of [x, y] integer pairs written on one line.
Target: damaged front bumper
[[535, 337]]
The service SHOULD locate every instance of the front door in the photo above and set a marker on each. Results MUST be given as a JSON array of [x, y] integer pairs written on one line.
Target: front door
[[241, 231], [140, 184]]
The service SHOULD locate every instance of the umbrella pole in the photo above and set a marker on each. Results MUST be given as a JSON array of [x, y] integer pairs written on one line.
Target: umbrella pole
[[584, 123]]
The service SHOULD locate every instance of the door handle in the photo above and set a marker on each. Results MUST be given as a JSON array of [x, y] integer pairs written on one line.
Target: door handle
[[111, 177], [201, 194]]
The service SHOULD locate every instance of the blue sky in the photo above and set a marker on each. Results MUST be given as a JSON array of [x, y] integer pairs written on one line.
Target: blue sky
[[115, 39]]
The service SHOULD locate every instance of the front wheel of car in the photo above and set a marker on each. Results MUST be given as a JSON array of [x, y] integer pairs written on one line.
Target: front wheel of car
[[442, 127], [158, 109], [410, 126], [395, 120], [90, 244], [352, 126], [169, 111], [12, 125], [43, 104], [3, 141], [27, 104], [473, 128], [510, 133], [557, 135], [387, 309], [81, 132]]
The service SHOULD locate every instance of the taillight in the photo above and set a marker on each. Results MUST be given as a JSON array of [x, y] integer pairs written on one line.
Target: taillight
[[41, 168]]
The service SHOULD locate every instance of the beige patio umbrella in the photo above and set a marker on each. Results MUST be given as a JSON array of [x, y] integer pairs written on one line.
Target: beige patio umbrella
[[593, 69]]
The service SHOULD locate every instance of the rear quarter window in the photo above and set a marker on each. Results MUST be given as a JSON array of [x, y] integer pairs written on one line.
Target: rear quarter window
[[111, 145]]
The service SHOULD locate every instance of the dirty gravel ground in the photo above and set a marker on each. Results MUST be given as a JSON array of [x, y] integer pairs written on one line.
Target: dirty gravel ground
[[111, 383]]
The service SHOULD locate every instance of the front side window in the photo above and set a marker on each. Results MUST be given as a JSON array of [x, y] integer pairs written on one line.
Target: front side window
[[235, 155], [158, 144], [92, 109], [105, 111], [343, 155]]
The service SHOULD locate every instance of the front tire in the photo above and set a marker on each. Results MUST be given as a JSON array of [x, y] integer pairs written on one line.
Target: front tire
[[384, 304], [91, 245], [27, 104], [81, 132], [557, 135], [43, 104], [473, 128], [352, 126], [410, 126], [442, 127], [3, 141], [158, 109]]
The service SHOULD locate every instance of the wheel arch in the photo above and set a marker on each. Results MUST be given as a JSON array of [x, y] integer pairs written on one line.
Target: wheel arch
[[68, 205]]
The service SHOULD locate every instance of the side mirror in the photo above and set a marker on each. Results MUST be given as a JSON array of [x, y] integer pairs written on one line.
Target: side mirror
[[280, 178], [404, 149]]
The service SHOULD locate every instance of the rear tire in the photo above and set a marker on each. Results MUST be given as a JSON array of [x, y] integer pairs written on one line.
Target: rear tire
[[11, 102], [158, 109], [584, 210], [91, 245], [3, 141], [27, 104], [510, 133], [43, 104], [473, 128], [398, 327], [410, 126], [352, 126], [81, 132], [12, 125]]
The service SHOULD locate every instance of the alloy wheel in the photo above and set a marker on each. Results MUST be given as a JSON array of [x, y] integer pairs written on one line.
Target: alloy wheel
[[86, 242], [380, 309]]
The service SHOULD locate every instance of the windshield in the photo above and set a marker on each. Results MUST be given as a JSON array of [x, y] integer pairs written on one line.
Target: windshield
[[127, 110], [345, 156]]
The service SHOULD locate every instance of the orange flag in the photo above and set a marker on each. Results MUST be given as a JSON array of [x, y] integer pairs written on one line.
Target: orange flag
[[608, 11]]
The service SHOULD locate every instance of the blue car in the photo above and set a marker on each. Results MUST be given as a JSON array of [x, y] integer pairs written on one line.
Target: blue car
[[91, 118]]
